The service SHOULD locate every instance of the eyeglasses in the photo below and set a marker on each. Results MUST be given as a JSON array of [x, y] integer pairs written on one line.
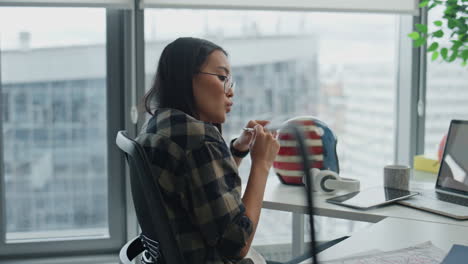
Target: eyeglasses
[[229, 84]]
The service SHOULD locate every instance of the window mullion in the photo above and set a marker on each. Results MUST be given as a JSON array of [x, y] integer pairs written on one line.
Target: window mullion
[[115, 121], [2, 170], [422, 102], [134, 70], [408, 119]]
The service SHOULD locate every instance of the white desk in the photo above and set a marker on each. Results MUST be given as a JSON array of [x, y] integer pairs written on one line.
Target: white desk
[[293, 199], [392, 234]]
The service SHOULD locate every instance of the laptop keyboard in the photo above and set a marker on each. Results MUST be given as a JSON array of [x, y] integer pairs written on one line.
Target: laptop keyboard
[[452, 199]]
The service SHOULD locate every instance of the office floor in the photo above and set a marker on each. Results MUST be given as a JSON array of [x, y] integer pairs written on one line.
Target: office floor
[[274, 232]]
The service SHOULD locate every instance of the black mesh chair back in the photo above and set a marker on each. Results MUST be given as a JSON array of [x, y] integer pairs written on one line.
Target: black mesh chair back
[[157, 234]]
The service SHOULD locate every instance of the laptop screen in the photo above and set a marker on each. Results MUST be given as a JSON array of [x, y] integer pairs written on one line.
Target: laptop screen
[[453, 172]]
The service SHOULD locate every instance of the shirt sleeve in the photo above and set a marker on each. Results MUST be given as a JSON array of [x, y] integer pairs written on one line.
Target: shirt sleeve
[[215, 198]]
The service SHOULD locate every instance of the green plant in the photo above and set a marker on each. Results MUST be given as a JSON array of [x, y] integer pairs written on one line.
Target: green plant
[[453, 24]]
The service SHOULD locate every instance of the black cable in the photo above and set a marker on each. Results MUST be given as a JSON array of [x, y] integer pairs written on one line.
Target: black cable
[[308, 184]]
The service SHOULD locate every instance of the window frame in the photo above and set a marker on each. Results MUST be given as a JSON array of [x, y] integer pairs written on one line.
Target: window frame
[[134, 63], [117, 4], [116, 81], [370, 6], [411, 93]]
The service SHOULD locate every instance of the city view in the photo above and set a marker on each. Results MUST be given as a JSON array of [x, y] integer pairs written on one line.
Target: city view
[[340, 68]]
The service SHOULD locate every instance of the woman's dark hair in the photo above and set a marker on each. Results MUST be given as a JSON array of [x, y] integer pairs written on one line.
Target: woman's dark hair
[[172, 86]]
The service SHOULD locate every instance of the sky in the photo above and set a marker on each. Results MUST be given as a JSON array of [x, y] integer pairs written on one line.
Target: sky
[[67, 26], [343, 37], [52, 26]]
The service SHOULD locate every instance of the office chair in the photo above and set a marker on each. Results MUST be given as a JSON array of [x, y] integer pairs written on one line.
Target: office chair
[[157, 241]]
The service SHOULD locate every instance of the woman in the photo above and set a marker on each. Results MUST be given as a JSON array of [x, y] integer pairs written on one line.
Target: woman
[[195, 168]]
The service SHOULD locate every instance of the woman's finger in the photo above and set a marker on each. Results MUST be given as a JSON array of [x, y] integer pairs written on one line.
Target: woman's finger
[[262, 122], [251, 124], [274, 134], [259, 129]]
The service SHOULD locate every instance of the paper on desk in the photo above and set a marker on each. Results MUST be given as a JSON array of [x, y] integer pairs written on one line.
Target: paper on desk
[[365, 253], [424, 253]]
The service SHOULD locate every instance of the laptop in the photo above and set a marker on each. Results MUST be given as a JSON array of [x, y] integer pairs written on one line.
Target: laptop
[[450, 197]]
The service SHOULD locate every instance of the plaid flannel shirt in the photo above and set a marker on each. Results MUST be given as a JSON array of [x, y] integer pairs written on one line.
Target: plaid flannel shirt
[[200, 185]]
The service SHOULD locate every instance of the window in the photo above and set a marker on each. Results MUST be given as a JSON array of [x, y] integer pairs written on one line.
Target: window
[[293, 64], [335, 66], [55, 134], [446, 93]]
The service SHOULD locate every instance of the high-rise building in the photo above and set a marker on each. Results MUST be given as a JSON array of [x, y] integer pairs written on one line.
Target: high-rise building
[[54, 130]]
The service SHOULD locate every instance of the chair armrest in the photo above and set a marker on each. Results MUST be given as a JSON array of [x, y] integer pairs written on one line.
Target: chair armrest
[[131, 250]]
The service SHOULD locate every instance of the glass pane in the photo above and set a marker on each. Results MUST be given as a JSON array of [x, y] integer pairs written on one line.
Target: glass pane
[[54, 122], [447, 91], [335, 66]]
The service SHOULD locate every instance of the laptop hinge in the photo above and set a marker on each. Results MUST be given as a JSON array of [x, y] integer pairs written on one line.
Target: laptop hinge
[[451, 193]]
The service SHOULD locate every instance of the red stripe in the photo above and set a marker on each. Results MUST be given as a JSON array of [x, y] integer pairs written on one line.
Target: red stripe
[[306, 122], [308, 135], [293, 151], [292, 179], [295, 165]]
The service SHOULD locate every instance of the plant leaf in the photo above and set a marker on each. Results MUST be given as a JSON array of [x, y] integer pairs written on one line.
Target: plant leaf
[[435, 55], [432, 6], [450, 10], [419, 42], [456, 44], [433, 46], [421, 28], [453, 56], [438, 23], [438, 34], [444, 52], [414, 35], [464, 54], [424, 3], [452, 23]]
